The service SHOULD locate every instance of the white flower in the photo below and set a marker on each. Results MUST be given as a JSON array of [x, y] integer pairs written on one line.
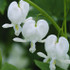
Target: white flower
[[34, 33], [17, 15], [15, 58], [56, 51]]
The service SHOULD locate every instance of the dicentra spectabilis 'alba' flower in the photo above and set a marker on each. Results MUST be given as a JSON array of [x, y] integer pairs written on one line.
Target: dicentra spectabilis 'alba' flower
[[34, 33], [17, 14], [56, 51]]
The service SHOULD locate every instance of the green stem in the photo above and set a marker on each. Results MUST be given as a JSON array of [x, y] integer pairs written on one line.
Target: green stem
[[65, 26], [44, 14], [37, 19]]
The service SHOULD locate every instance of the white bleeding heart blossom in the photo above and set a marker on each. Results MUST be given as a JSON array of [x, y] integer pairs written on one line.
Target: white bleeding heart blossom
[[17, 14], [34, 33], [56, 51]]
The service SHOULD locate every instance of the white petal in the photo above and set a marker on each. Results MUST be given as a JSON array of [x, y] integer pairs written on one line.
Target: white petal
[[64, 42], [62, 47], [19, 40], [52, 64], [63, 63], [51, 39], [17, 33], [30, 32], [7, 25], [32, 48], [30, 18], [42, 41], [43, 27], [45, 60], [50, 45], [17, 29], [14, 13], [28, 29], [24, 8], [65, 60], [42, 55]]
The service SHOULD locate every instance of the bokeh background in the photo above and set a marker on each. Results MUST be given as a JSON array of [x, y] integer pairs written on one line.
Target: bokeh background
[[18, 53]]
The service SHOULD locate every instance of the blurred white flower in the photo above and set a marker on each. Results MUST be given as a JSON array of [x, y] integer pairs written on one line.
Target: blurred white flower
[[33, 32], [16, 58], [17, 14], [56, 51]]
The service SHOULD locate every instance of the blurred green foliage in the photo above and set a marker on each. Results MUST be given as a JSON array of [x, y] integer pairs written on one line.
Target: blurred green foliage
[[54, 7], [3, 4], [0, 59], [8, 67]]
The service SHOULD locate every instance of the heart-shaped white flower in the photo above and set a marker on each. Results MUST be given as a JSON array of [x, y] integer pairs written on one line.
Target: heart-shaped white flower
[[34, 33], [61, 46], [17, 15], [56, 51], [14, 13]]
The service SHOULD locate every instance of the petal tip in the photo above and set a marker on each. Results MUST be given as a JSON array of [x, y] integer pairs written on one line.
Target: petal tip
[[4, 26], [32, 50]]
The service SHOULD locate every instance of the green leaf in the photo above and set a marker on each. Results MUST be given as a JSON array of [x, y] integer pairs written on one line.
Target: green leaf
[[7, 66], [3, 4], [41, 65], [0, 59], [45, 66]]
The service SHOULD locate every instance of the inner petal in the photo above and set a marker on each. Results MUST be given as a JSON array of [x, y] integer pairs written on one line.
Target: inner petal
[[32, 48]]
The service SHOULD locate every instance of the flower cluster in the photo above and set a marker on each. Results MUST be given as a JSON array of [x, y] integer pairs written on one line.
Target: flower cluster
[[31, 30], [34, 31]]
